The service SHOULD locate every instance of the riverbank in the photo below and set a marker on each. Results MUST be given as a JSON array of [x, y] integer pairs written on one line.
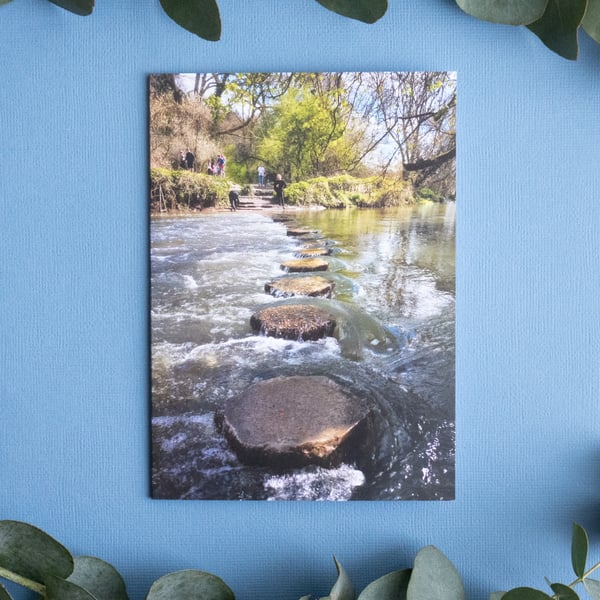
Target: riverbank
[[185, 191]]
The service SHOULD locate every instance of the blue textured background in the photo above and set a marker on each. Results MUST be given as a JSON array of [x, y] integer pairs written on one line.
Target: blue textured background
[[74, 436]]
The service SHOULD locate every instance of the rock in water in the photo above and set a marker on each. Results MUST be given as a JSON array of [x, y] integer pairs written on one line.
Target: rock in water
[[305, 265], [309, 252], [294, 322], [300, 231], [300, 286], [295, 421]]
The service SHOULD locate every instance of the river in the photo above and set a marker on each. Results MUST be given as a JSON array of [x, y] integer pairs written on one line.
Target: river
[[394, 300]]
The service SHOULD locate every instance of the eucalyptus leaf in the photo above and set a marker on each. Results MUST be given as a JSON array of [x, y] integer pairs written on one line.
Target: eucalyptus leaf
[[32, 553], [4, 595], [559, 25], [592, 587], [497, 595], [99, 578], [434, 577], [367, 11], [79, 7], [190, 585], [564, 592], [392, 586], [579, 549], [509, 12], [198, 16], [61, 589], [591, 21], [343, 588], [525, 593]]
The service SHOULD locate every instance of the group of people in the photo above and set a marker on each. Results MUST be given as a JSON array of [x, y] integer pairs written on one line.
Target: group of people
[[187, 160], [216, 166]]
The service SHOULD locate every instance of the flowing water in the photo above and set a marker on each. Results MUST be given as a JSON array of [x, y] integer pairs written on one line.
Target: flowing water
[[394, 302]]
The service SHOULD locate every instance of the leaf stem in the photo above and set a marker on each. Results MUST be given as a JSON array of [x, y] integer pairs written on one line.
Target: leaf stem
[[28, 583], [585, 575]]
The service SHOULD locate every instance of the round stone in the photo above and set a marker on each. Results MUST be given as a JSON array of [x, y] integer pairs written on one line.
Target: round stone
[[293, 322], [304, 265], [300, 286], [315, 251], [297, 232], [294, 421]]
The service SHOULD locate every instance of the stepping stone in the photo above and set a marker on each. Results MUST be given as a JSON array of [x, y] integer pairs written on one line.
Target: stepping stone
[[293, 322], [300, 286], [297, 232], [294, 421], [308, 252], [304, 265], [282, 218]]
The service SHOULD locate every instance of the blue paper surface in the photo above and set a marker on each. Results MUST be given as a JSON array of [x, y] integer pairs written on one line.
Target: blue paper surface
[[74, 389]]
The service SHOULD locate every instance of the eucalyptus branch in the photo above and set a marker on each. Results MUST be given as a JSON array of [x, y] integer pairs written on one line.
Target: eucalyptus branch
[[23, 581]]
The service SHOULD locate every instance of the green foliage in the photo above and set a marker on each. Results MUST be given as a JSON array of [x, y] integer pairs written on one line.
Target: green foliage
[[434, 577], [198, 16], [79, 7], [427, 194], [579, 556], [367, 11], [190, 585], [33, 559], [559, 26], [345, 191], [185, 190], [508, 12]]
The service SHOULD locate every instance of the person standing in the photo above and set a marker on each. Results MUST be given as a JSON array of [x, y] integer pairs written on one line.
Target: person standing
[[221, 165], [261, 176], [190, 159], [279, 186], [234, 200]]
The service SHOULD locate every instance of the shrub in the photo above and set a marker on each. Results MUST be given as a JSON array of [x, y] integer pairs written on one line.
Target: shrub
[[185, 190]]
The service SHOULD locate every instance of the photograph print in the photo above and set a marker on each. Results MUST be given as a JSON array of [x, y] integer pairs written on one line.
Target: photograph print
[[302, 285]]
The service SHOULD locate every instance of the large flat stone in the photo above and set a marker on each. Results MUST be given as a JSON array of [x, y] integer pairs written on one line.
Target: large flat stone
[[305, 265], [294, 421], [300, 231], [294, 322], [300, 286], [313, 251]]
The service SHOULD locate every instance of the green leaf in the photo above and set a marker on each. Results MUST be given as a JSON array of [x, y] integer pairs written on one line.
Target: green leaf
[[367, 11], [99, 578], [79, 7], [61, 589], [343, 588], [509, 12], [579, 549], [4, 595], [525, 593], [198, 16], [434, 577], [497, 595], [190, 585], [392, 586], [1, 3], [563, 592], [591, 21], [32, 553], [592, 587], [559, 25]]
